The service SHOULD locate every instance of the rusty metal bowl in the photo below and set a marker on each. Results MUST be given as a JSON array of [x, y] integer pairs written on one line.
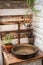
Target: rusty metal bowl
[[24, 51]]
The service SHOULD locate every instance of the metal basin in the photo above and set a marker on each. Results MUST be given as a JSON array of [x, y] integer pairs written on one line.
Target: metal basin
[[24, 51]]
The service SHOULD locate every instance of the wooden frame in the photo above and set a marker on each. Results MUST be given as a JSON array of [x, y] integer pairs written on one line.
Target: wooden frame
[[19, 22]]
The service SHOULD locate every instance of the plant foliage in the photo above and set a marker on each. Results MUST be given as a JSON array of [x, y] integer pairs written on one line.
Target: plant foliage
[[7, 39], [31, 6]]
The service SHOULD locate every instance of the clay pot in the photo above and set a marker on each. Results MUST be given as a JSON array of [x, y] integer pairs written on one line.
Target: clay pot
[[8, 47]]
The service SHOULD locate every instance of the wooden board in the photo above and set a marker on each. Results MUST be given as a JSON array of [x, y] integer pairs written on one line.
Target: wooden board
[[16, 19], [13, 4]]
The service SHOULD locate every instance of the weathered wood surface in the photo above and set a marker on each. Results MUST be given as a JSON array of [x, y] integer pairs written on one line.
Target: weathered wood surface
[[13, 4], [15, 12], [15, 19], [11, 59]]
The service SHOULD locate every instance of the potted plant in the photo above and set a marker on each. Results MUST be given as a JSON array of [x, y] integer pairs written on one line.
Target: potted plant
[[7, 43]]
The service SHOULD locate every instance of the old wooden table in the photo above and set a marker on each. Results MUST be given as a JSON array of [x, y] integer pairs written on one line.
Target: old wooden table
[[10, 59]]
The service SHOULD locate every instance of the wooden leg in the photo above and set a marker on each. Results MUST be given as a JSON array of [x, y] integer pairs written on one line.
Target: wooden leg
[[4, 61], [42, 62]]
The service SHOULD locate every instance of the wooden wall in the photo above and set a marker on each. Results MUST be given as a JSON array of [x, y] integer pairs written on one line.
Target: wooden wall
[[38, 26], [11, 25]]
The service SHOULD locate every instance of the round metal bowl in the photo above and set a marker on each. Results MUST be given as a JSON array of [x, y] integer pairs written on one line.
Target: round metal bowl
[[24, 51]]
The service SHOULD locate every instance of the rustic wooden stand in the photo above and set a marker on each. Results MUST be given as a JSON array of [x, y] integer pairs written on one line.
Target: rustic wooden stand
[[10, 59]]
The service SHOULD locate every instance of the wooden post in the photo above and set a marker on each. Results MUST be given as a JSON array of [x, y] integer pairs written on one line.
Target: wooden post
[[18, 33]]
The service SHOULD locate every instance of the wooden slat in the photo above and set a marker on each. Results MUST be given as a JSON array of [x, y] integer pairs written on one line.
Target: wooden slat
[[13, 4], [16, 20], [16, 31], [14, 12]]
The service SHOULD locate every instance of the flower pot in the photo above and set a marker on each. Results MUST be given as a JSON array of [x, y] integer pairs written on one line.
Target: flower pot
[[31, 39], [8, 47]]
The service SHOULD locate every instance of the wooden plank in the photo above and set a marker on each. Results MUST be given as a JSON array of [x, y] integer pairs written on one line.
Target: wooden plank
[[6, 20], [15, 35], [14, 12], [15, 20], [13, 4], [16, 31]]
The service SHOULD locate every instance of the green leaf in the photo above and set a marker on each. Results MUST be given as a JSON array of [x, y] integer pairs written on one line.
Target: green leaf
[[31, 6]]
